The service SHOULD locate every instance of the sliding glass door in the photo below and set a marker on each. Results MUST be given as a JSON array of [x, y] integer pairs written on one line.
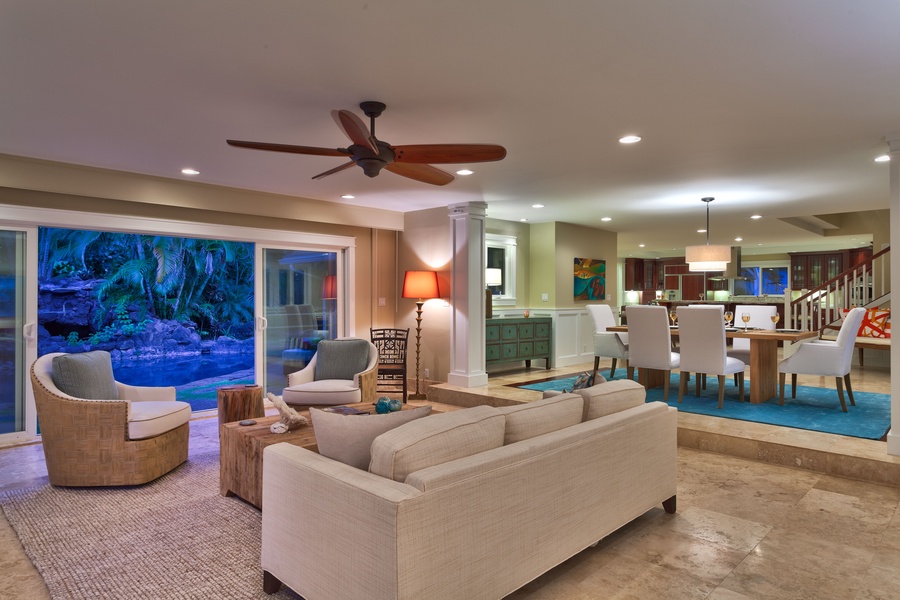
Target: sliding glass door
[[299, 308], [16, 335]]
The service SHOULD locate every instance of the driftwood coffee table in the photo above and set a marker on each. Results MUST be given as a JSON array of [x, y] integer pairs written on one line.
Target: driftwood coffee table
[[241, 449]]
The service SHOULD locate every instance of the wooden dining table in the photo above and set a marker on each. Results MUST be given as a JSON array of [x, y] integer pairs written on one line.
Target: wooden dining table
[[763, 358]]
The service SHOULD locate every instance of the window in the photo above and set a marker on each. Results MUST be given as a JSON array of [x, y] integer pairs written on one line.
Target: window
[[761, 281], [501, 254]]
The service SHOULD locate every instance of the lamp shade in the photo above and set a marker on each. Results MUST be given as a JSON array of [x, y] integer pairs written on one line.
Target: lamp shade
[[421, 284], [329, 287], [707, 257], [493, 276]]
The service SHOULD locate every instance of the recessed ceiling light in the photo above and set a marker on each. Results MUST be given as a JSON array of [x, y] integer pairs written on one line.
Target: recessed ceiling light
[[606, 218], [630, 139], [524, 220], [189, 171], [883, 158], [756, 216], [759, 244], [642, 245], [739, 239], [348, 196], [701, 231], [464, 172], [537, 206]]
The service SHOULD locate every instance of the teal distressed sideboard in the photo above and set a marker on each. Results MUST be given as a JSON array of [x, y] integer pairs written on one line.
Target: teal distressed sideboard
[[511, 340]]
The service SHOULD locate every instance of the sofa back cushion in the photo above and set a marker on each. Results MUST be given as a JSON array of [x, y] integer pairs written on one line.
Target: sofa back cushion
[[86, 375], [348, 438], [435, 440], [611, 397], [341, 359], [543, 416]]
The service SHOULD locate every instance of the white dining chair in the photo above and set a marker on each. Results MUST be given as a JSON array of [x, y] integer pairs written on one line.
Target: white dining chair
[[824, 357], [760, 317], [701, 332], [608, 344], [650, 341]]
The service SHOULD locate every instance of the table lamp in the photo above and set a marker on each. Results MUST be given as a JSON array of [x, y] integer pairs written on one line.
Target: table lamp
[[421, 285]]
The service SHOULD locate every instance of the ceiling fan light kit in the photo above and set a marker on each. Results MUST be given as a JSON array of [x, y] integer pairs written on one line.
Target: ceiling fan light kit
[[707, 257], [372, 155]]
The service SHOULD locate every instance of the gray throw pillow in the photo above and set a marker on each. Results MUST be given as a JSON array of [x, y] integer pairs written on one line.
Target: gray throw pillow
[[87, 375], [348, 438], [341, 359]]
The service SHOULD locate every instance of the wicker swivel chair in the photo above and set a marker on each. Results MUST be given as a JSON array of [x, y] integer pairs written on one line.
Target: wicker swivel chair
[[131, 440]]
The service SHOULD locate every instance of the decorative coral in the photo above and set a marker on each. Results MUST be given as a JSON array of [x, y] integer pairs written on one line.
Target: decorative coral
[[290, 418]]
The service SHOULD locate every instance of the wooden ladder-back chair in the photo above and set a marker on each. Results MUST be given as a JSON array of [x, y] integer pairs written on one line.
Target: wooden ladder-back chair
[[391, 344]]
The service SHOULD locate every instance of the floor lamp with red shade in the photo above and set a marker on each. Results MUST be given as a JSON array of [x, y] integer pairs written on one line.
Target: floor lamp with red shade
[[421, 285]]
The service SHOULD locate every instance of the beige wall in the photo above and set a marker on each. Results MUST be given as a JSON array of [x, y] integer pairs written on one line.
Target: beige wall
[[425, 246], [162, 198]]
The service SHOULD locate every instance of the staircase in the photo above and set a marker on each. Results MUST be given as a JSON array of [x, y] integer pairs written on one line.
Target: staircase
[[866, 284]]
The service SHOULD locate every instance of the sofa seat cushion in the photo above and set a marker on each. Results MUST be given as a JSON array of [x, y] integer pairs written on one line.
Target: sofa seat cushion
[[326, 392], [348, 438], [341, 359], [152, 418], [85, 375], [438, 439], [611, 397], [543, 416]]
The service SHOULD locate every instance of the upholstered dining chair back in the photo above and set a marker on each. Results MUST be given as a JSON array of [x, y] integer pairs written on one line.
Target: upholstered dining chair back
[[701, 333], [608, 344], [760, 317], [649, 338], [701, 339]]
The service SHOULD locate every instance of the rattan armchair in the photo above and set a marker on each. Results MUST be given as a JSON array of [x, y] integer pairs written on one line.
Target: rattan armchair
[[86, 442]]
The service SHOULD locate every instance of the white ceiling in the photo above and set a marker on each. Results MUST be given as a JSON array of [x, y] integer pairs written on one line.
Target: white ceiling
[[771, 106]]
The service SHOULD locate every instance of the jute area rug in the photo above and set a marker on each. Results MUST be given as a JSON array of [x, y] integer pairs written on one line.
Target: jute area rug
[[175, 537]]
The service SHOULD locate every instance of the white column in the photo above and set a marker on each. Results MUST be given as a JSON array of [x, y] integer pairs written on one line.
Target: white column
[[467, 347], [893, 139]]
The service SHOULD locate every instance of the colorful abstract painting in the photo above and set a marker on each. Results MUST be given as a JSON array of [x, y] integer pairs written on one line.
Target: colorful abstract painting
[[590, 279]]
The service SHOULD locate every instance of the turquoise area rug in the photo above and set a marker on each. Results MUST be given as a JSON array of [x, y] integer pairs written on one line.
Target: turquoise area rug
[[815, 409]]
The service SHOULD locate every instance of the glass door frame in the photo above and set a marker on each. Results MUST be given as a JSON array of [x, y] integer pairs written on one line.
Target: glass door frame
[[28, 219], [28, 333], [344, 309]]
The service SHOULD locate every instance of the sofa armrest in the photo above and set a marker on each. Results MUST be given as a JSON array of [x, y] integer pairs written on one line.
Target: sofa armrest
[[140, 393], [349, 512]]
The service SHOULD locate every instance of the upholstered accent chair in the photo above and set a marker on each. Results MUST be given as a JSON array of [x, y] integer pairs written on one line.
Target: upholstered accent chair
[[608, 344], [99, 432], [343, 371], [823, 357]]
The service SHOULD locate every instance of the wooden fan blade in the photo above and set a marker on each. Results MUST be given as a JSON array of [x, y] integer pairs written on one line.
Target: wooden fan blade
[[448, 153], [355, 129], [423, 173], [289, 148], [334, 170]]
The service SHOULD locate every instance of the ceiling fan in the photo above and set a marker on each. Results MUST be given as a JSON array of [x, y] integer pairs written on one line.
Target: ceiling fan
[[373, 155]]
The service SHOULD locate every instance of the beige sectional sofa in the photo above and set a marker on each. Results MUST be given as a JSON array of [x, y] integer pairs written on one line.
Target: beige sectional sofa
[[467, 504]]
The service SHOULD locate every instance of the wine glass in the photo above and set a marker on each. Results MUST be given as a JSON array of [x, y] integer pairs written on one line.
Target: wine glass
[[672, 316], [745, 317], [775, 318], [729, 317]]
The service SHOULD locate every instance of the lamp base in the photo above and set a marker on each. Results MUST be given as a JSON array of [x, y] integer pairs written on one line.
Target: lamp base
[[417, 397]]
